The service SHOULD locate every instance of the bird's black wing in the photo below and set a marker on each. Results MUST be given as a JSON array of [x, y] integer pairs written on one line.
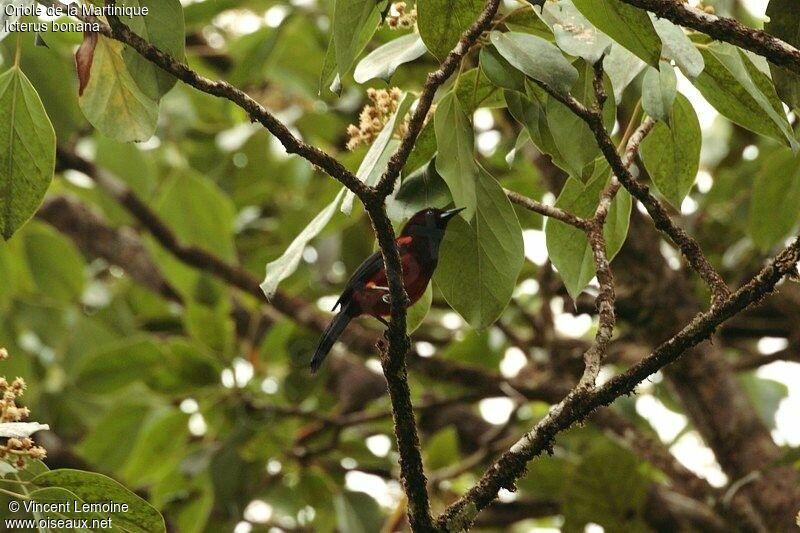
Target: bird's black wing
[[371, 266]]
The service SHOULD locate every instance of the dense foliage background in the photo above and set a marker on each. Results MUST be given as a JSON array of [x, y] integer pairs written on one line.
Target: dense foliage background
[[176, 377]]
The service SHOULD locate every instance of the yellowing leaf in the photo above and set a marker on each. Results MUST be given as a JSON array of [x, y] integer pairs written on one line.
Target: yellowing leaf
[[112, 101]]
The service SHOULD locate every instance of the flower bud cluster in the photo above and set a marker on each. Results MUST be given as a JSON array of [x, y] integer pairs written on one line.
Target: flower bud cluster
[[15, 450], [401, 17], [375, 116]]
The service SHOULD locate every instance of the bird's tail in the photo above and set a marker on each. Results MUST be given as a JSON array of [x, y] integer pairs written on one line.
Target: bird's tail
[[329, 336]]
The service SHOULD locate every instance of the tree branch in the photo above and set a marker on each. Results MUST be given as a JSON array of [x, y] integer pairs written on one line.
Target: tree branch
[[580, 402], [724, 29]]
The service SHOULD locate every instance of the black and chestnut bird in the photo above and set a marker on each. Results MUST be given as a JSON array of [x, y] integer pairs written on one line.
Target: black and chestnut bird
[[367, 291]]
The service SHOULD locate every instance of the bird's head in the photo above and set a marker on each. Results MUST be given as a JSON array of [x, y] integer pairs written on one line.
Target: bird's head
[[431, 220]]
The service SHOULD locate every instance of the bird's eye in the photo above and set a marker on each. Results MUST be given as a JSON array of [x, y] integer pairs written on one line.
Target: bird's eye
[[386, 299]]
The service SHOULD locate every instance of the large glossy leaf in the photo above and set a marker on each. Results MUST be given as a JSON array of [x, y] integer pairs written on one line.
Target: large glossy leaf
[[537, 58], [140, 516], [113, 101], [741, 92], [775, 207], [163, 27], [568, 247], [384, 60], [455, 161], [441, 22], [284, 266], [481, 260], [629, 26], [671, 152], [351, 20], [784, 23], [27, 151]]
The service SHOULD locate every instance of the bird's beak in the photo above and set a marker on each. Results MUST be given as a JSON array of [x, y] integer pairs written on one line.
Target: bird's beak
[[447, 215]]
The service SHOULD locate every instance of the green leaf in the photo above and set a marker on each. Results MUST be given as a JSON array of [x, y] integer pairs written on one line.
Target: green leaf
[[199, 213], [384, 60], [480, 261], [70, 513], [537, 58], [55, 264], [185, 368], [575, 141], [629, 26], [330, 78], [679, 47], [774, 210], [784, 23], [383, 147], [740, 91], [499, 71], [213, 326], [530, 111], [122, 423], [163, 27], [159, 447], [622, 67], [568, 246], [671, 154], [112, 101], [441, 22], [607, 488], [416, 313], [284, 266], [475, 90], [351, 19], [112, 368], [424, 188], [455, 161], [27, 151], [574, 33], [357, 512], [423, 151], [90, 487], [766, 396], [441, 450], [658, 91]]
